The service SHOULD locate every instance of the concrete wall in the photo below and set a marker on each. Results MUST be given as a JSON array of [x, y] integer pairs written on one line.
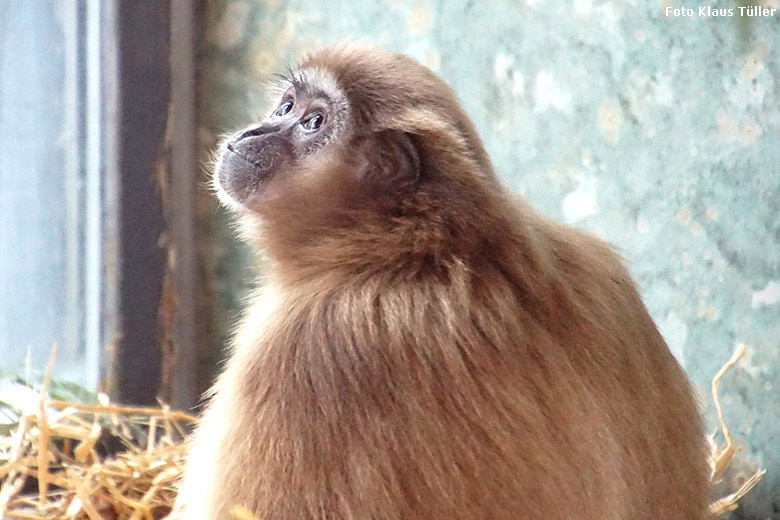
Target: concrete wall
[[659, 133]]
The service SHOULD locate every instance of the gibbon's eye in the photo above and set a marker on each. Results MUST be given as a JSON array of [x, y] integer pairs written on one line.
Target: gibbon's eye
[[314, 122], [285, 108]]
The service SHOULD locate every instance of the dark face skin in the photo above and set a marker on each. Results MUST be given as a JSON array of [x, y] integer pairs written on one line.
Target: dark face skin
[[302, 123]]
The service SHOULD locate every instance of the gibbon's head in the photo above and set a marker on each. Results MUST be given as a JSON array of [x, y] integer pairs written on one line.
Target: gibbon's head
[[359, 137]]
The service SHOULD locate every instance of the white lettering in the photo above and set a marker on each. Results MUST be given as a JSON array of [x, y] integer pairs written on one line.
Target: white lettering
[[681, 11]]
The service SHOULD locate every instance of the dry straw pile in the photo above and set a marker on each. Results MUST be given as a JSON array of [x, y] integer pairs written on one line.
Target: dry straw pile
[[59, 463], [91, 461]]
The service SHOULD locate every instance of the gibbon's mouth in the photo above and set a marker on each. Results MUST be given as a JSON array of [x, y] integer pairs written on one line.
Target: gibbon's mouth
[[246, 166], [231, 148]]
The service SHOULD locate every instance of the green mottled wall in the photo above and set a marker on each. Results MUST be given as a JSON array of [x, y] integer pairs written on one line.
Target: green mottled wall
[[660, 134]]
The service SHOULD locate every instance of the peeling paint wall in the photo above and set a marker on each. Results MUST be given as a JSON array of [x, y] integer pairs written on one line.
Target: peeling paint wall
[[658, 133]]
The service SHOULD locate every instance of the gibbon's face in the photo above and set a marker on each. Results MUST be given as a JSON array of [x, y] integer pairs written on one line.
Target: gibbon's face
[[310, 116]]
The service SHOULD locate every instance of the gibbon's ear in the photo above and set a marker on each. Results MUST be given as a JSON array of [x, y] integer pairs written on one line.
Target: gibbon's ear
[[393, 160]]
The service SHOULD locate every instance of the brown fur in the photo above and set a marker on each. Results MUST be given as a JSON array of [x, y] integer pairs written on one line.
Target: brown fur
[[438, 350]]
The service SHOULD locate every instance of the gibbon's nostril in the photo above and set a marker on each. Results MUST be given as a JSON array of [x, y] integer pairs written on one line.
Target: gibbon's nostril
[[255, 131]]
